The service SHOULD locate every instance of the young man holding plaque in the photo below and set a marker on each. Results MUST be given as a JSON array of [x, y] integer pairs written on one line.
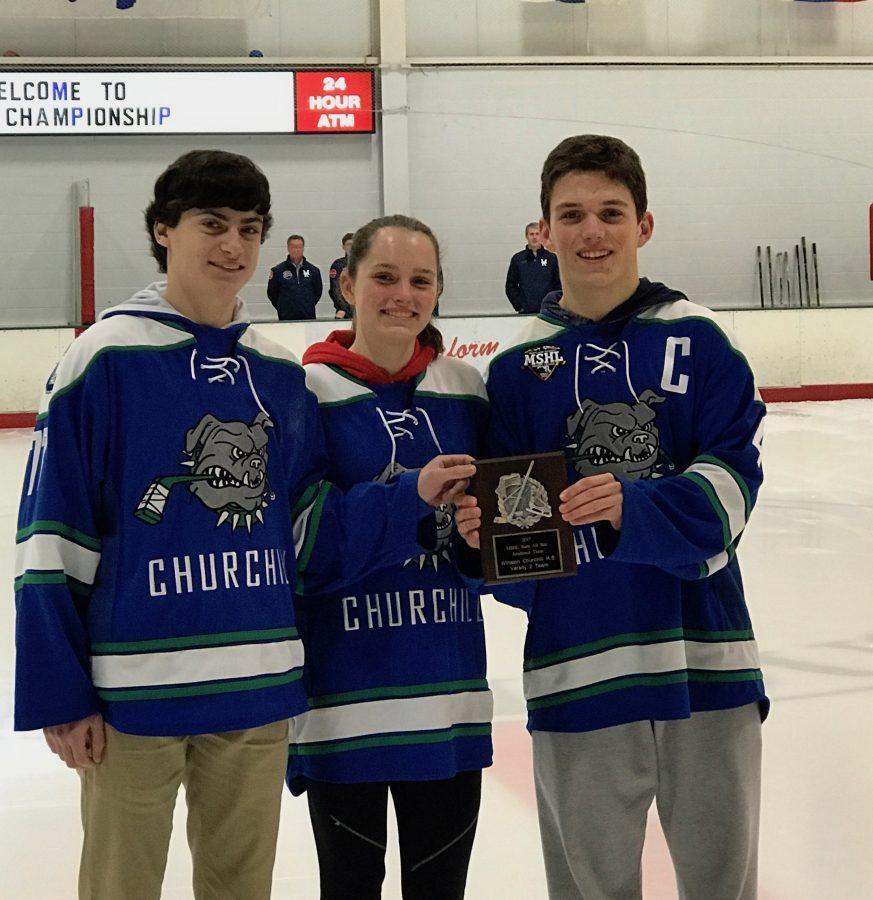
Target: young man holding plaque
[[641, 672]]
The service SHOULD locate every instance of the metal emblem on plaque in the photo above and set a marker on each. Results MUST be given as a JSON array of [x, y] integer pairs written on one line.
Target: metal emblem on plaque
[[522, 534]]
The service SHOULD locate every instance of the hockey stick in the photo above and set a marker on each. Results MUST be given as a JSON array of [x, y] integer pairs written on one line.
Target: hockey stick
[[799, 282], [805, 272], [521, 490], [770, 273], [150, 508], [815, 271], [786, 274], [760, 276], [779, 271]]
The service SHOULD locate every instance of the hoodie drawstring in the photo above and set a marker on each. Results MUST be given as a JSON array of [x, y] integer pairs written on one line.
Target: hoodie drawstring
[[600, 358], [395, 429], [226, 368]]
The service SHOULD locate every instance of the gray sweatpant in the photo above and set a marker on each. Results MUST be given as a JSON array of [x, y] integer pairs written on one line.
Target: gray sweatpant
[[594, 790]]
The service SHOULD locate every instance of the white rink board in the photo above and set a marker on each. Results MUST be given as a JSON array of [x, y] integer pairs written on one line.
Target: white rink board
[[787, 348]]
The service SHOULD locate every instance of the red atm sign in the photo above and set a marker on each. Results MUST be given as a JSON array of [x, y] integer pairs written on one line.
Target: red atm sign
[[334, 102]]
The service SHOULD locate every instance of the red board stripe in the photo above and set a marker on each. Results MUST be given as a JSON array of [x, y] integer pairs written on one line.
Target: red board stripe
[[86, 263], [17, 419], [817, 392]]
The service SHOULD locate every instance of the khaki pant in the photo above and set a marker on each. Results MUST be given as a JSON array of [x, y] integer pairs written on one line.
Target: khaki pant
[[594, 790], [233, 786]]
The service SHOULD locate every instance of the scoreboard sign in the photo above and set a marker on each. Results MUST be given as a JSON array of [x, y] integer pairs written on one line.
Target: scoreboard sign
[[246, 101], [334, 101]]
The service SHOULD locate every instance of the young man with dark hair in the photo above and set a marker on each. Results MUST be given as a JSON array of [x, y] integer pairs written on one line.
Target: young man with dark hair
[[163, 531], [532, 274], [641, 672], [337, 267], [294, 286]]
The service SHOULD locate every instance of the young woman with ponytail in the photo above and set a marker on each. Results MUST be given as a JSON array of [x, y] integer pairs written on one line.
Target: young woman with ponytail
[[395, 665]]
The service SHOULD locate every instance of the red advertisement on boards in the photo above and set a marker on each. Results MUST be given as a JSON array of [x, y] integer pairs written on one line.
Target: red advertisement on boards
[[334, 102]]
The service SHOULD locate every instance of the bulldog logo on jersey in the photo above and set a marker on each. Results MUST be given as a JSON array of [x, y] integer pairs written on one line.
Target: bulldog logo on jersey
[[542, 361], [229, 472], [619, 438]]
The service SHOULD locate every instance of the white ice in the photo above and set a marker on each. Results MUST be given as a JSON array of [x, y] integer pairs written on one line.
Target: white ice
[[808, 570]]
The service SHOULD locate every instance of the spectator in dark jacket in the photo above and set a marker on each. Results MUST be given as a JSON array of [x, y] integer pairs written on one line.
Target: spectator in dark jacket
[[341, 305], [533, 273], [295, 284]]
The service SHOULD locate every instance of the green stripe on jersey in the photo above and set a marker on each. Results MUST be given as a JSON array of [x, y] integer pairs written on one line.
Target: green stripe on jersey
[[592, 647], [55, 553], [741, 482], [177, 669], [49, 526], [605, 687], [252, 341], [40, 578], [391, 740], [310, 526], [634, 681], [718, 562], [408, 690], [730, 495], [645, 319], [451, 379], [639, 637], [747, 675], [189, 642], [441, 396], [74, 586], [642, 660], [123, 695], [334, 387], [715, 502], [134, 348], [306, 498]]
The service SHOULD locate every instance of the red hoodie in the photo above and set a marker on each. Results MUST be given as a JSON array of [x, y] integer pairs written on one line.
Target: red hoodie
[[335, 350]]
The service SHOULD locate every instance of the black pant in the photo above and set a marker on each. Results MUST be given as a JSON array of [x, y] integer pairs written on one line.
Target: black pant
[[436, 822]]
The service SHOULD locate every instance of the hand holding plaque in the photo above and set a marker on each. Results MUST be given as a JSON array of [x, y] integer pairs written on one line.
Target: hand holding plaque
[[523, 535]]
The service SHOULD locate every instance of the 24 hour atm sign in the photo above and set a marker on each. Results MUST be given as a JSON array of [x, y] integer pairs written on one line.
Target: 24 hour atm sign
[[189, 102]]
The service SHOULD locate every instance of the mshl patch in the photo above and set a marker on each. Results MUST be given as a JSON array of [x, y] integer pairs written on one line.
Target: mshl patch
[[543, 360]]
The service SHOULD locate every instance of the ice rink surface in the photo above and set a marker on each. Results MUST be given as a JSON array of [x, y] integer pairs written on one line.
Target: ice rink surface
[[807, 559]]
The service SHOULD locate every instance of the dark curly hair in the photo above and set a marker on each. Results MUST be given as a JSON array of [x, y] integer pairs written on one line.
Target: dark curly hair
[[206, 179]]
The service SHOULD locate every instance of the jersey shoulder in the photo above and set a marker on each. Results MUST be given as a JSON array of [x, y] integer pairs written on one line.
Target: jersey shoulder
[[117, 334], [452, 378], [113, 335], [676, 310], [267, 349], [691, 317], [540, 329], [333, 387]]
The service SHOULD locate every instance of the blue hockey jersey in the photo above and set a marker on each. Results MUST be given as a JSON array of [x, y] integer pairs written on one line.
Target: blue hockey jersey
[[396, 661], [654, 624], [157, 557]]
